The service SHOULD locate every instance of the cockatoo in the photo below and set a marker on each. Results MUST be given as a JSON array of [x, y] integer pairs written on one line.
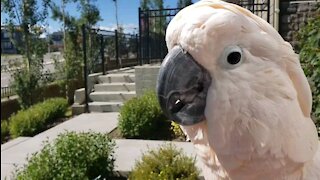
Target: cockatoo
[[238, 91]]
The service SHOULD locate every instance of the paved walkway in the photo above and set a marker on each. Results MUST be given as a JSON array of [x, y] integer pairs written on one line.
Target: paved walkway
[[126, 152]]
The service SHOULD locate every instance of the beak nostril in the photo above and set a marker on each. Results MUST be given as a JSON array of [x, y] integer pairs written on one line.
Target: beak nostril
[[178, 105], [200, 87]]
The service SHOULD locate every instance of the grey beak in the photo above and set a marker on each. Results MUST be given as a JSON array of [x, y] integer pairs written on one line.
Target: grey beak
[[182, 87]]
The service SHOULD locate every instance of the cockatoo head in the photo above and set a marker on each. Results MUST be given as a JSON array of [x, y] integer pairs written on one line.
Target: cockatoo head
[[230, 69], [215, 45]]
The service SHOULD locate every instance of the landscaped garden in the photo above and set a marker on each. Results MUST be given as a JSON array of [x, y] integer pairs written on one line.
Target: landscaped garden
[[37, 118], [91, 155], [142, 118]]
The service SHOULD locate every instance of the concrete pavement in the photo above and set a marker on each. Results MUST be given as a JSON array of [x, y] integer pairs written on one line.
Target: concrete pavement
[[15, 152], [127, 151]]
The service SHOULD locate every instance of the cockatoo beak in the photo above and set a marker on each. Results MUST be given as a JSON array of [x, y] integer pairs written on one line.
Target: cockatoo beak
[[182, 87]]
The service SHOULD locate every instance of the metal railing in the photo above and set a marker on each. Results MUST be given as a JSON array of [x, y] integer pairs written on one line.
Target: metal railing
[[46, 77], [153, 24], [260, 8], [152, 27], [107, 50], [7, 92]]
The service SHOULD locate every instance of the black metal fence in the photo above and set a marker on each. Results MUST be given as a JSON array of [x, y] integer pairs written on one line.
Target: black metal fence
[[46, 77], [152, 28], [108, 50], [153, 25], [260, 8], [7, 92]]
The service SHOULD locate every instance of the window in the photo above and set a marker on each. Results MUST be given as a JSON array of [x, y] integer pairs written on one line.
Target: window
[[7, 45], [5, 35]]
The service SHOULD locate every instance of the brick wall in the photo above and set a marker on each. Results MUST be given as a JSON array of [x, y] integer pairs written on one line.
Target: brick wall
[[293, 16]]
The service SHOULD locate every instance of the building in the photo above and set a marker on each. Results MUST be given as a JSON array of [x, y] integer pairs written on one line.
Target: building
[[7, 47], [56, 41]]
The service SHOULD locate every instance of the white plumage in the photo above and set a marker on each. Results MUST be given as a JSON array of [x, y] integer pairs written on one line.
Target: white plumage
[[258, 124]]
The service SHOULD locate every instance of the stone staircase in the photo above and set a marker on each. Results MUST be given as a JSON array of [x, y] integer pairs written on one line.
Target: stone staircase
[[108, 92]]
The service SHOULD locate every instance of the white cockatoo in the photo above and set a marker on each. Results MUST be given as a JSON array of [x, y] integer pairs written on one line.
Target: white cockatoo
[[238, 91]]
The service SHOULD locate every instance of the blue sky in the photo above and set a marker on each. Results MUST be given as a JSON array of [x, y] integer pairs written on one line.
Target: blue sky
[[127, 14]]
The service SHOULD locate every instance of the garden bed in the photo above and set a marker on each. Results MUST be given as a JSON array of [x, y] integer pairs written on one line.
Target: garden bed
[[35, 119], [56, 122], [162, 135]]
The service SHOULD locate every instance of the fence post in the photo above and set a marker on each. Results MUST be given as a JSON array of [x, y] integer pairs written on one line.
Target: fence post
[[140, 41], [147, 46], [268, 11], [138, 53], [102, 55], [117, 48], [85, 73]]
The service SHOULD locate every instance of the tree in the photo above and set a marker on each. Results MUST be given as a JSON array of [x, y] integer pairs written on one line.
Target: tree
[[25, 16], [184, 3], [151, 4], [156, 26], [89, 15], [144, 4], [116, 6]]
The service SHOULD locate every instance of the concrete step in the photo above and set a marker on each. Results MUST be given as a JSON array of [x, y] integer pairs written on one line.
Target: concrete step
[[78, 108], [119, 96], [105, 106], [130, 71], [123, 70], [116, 78], [115, 87]]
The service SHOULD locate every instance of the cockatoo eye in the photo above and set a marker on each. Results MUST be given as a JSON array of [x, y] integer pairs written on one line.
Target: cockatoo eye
[[232, 57]]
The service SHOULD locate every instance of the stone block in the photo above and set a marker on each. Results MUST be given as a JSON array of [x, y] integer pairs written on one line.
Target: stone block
[[285, 19], [301, 24], [291, 9], [78, 109], [92, 80], [79, 96], [303, 7], [290, 34], [146, 78]]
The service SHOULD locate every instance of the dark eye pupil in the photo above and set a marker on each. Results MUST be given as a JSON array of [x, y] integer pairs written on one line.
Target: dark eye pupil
[[234, 58]]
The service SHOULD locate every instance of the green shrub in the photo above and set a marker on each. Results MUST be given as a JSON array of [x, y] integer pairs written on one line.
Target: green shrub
[[35, 119], [309, 45], [4, 129], [177, 131], [142, 117], [165, 163], [71, 156]]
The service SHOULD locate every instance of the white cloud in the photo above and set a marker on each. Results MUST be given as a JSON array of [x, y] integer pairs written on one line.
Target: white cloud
[[49, 30], [128, 28], [107, 28]]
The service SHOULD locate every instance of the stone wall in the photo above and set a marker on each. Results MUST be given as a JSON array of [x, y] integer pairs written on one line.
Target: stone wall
[[146, 78], [293, 16]]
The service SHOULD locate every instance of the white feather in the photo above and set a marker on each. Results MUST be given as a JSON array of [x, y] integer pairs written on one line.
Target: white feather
[[258, 122]]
